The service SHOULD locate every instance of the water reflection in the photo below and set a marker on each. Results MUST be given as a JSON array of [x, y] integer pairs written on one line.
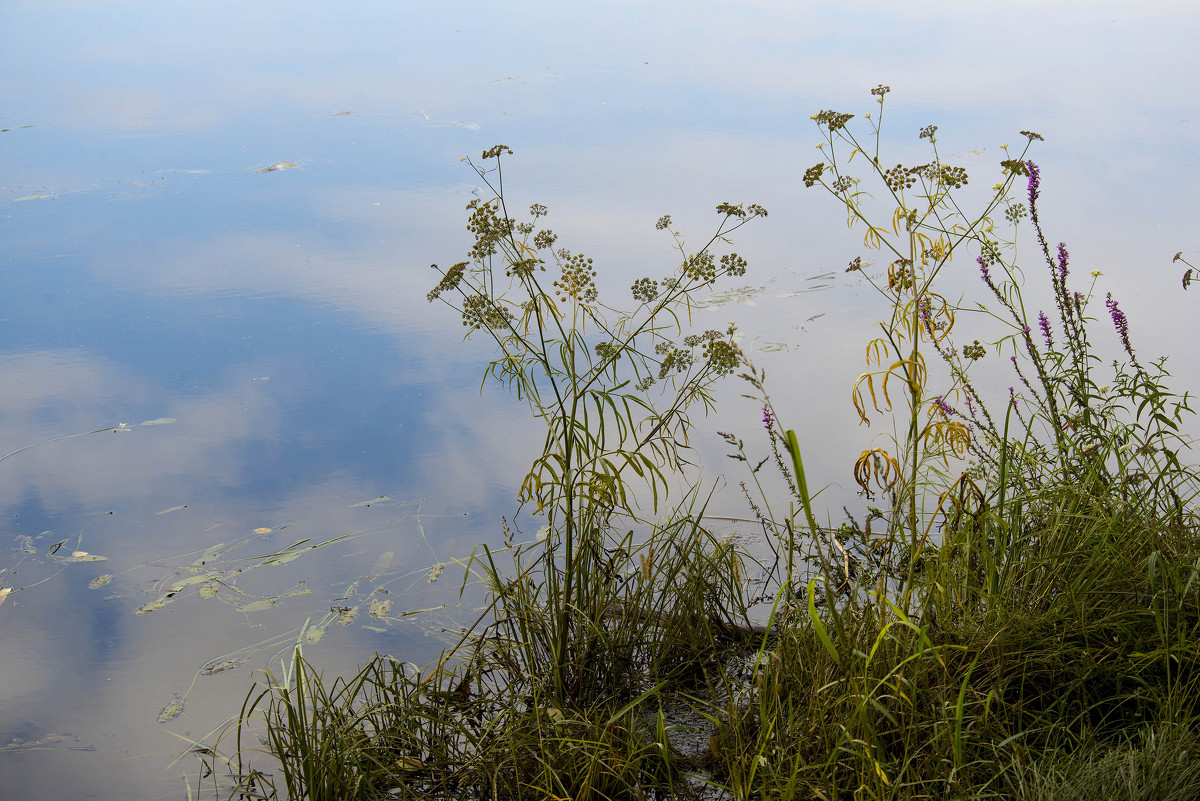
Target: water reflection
[[154, 271]]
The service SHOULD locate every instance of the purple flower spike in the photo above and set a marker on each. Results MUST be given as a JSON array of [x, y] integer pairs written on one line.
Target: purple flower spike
[[1121, 324], [1035, 182], [1044, 324], [768, 418], [1063, 255]]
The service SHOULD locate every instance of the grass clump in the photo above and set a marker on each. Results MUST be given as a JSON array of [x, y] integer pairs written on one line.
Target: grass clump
[[1013, 614]]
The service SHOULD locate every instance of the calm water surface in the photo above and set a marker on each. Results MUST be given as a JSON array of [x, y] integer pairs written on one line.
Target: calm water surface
[[320, 439]]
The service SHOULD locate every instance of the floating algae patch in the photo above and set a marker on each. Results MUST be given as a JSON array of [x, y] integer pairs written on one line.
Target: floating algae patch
[[171, 710], [209, 589], [100, 581], [379, 608], [383, 562], [345, 614], [220, 667], [84, 556], [314, 634], [155, 605], [373, 501], [260, 605]]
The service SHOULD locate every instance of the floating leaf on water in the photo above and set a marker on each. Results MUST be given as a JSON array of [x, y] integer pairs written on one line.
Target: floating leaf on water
[[774, 347], [290, 557], [345, 614], [815, 317], [379, 608], [258, 606], [383, 562], [262, 378], [209, 555], [219, 667], [263, 530], [160, 421], [209, 589], [172, 509], [340, 113], [190, 580], [314, 634], [4, 593], [380, 499], [154, 606], [84, 556], [171, 710], [435, 573], [29, 197], [282, 165], [376, 629], [100, 581]]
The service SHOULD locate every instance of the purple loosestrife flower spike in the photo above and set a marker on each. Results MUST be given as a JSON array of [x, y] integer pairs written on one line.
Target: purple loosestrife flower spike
[[1122, 326], [768, 418], [983, 270], [1035, 182], [1063, 255], [1044, 323]]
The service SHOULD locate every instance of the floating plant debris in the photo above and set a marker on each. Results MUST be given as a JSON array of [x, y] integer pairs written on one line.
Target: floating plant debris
[[171, 710]]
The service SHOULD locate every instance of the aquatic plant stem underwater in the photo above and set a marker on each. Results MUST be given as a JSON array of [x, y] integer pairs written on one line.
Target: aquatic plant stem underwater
[[1017, 618]]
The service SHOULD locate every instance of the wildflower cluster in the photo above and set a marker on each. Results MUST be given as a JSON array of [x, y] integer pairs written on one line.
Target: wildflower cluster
[[813, 174], [478, 311], [578, 280], [721, 355], [733, 264], [899, 178], [489, 227], [496, 151], [737, 210], [645, 290], [1014, 212], [928, 132], [673, 359], [953, 177], [700, 267], [832, 120], [1015, 167], [449, 281], [974, 351]]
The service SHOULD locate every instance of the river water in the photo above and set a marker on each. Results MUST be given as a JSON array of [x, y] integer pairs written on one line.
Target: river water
[[217, 225]]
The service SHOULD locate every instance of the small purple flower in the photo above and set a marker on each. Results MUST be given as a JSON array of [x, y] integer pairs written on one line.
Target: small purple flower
[[940, 404], [1044, 324], [1035, 182], [1063, 255], [768, 418], [1121, 324], [983, 270]]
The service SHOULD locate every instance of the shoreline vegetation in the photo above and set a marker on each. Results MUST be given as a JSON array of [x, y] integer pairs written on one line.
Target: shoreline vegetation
[[1012, 614]]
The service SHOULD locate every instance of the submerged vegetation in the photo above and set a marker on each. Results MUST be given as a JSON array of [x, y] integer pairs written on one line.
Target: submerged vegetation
[[1014, 615]]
